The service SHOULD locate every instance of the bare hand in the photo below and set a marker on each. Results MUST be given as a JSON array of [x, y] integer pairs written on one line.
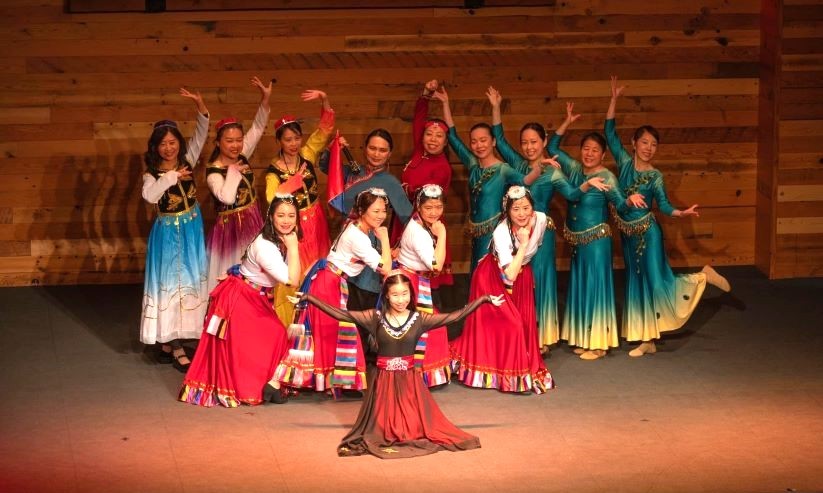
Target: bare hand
[[636, 200], [194, 96], [290, 239], [550, 161], [343, 142], [691, 211], [496, 300], [265, 90], [430, 87], [441, 95], [438, 229], [382, 233], [570, 116], [598, 183], [395, 252], [522, 235], [494, 96], [312, 94], [616, 90], [183, 174]]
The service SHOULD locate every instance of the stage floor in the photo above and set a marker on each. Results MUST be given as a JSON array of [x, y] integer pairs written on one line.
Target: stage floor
[[733, 402]]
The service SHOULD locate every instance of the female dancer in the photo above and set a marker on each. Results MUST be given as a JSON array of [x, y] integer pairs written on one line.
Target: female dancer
[[231, 182], [428, 165], [533, 143], [399, 418], [589, 321], [243, 340], [293, 172], [499, 348], [421, 255], [657, 300], [338, 360], [365, 286], [488, 178], [174, 291]]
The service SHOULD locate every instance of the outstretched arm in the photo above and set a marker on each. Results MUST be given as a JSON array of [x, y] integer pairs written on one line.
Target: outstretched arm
[[621, 157], [318, 139], [201, 131], [258, 126]]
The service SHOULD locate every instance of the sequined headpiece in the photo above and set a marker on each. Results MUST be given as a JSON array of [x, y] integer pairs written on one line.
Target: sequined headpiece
[[428, 191], [284, 197]]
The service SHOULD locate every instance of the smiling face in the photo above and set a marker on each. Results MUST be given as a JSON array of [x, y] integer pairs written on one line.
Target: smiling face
[[645, 147], [290, 142], [591, 154], [399, 296], [230, 144], [169, 148], [531, 145], [375, 214], [482, 143], [284, 218], [520, 212], [434, 140], [378, 151], [430, 210]]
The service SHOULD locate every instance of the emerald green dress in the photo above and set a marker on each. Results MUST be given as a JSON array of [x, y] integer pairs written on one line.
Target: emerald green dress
[[543, 262], [657, 300], [486, 187], [589, 321]]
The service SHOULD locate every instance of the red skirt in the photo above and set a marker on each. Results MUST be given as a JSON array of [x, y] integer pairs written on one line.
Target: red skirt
[[338, 359], [399, 418], [432, 354], [498, 348], [238, 357]]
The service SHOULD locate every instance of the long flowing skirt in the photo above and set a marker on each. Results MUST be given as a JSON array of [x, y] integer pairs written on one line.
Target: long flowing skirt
[[241, 345], [498, 348], [399, 419], [657, 300], [175, 295], [228, 239], [432, 354], [338, 359], [589, 321], [545, 288]]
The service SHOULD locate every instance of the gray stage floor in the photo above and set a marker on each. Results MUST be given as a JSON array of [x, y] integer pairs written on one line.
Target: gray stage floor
[[734, 402]]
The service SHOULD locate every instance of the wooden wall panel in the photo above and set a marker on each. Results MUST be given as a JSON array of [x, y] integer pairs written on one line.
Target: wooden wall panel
[[79, 92]]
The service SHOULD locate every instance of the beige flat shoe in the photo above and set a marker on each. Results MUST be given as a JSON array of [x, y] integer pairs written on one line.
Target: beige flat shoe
[[593, 354], [643, 348], [579, 350], [715, 279]]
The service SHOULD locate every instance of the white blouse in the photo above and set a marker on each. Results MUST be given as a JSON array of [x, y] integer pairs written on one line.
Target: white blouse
[[503, 241], [264, 264], [416, 248], [354, 245]]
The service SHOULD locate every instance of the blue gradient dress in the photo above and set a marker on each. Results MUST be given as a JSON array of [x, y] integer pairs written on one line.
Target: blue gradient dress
[[589, 321], [486, 188], [657, 300], [543, 262]]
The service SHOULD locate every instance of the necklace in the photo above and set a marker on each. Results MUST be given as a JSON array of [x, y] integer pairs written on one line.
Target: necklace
[[397, 332], [396, 320], [288, 170]]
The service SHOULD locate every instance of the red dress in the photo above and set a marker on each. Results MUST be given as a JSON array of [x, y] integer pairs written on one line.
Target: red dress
[[398, 417], [498, 348], [423, 169]]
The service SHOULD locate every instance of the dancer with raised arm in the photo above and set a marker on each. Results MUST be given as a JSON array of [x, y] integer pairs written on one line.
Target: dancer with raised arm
[[657, 300]]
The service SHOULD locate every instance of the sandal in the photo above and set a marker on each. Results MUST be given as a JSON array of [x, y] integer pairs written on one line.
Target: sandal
[[178, 365], [164, 357], [275, 395]]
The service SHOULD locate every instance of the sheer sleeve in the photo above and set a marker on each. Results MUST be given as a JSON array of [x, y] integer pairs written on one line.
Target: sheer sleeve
[[430, 321]]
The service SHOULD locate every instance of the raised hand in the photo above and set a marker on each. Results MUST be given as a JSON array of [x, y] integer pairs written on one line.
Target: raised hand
[[616, 90], [441, 95], [496, 300], [550, 161], [196, 97], [312, 94], [570, 116], [265, 89], [494, 96], [430, 87], [636, 200], [691, 211], [598, 183]]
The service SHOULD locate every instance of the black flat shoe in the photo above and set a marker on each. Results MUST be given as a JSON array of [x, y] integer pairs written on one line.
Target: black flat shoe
[[277, 396], [164, 358], [180, 366]]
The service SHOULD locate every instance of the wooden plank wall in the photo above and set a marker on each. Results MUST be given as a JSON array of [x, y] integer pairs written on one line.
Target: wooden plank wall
[[78, 94], [798, 246]]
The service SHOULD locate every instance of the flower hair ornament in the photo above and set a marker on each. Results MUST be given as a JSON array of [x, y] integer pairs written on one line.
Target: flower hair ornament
[[515, 192], [165, 123], [428, 191]]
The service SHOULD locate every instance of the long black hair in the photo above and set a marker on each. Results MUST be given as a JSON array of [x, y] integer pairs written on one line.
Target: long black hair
[[221, 129], [161, 129], [269, 232], [508, 203], [362, 202], [394, 279]]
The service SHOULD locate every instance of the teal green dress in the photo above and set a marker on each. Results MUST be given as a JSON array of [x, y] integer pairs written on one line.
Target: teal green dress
[[657, 300], [486, 188], [543, 262], [589, 321]]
